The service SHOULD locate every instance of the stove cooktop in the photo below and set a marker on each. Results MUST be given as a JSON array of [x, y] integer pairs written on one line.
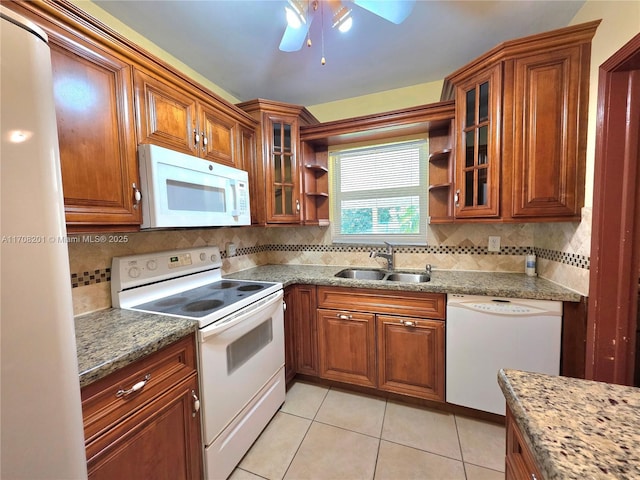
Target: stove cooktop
[[203, 301]]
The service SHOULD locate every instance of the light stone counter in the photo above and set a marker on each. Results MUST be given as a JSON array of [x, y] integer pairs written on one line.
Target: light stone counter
[[111, 339], [576, 429], [512, 285]]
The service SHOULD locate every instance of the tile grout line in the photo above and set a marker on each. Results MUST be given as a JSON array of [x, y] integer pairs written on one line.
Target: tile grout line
[[464, 466], [305, 433], [384, 415]]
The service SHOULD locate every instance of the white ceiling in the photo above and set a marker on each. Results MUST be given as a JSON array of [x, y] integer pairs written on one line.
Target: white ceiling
[[234, 43]]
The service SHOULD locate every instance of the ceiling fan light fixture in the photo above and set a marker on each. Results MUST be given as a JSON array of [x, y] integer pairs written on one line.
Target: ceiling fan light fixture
[[295, 14], [342, 19]]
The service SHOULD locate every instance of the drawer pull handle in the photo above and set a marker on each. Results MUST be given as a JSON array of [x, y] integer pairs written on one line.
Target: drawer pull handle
[[196, 403], [408, 323], [343, 316], [137, 387]]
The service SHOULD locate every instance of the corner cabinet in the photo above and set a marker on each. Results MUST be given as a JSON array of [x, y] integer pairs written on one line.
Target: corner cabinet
[[520, 129], [276, 175], [478, 102], [143, 421], [301, 335]]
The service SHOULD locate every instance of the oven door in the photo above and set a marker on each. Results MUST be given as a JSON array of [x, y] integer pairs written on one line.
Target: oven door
[[238, 356], [185, 191]]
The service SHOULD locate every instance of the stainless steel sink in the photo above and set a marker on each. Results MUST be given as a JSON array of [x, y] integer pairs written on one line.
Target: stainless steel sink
[[361, 274], [408, 277]]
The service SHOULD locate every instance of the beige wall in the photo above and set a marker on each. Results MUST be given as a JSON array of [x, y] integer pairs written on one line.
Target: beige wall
[[620, 23], [112, 22], [378, 102]]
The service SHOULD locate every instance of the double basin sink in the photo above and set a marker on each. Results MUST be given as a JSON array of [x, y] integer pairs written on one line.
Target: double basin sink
[[387, 276]]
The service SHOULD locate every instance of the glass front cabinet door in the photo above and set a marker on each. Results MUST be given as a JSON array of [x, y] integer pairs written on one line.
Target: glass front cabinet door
[[478, 102], [283, 197]]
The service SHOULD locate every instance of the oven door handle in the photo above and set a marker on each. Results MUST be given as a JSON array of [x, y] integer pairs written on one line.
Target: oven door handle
[[240, 316]]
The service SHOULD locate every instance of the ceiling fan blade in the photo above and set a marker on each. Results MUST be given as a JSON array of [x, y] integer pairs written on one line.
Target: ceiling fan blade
[[394, 11], [293, 38]]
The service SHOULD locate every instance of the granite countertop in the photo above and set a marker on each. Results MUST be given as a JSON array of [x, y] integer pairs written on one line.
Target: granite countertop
[[576, 429], [110, 339], [512, 285]]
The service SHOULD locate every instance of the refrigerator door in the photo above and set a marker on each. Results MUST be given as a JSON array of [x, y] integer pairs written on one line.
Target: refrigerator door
[[41, 414]]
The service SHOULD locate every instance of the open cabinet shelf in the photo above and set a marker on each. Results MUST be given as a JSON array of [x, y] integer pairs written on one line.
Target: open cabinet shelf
[[441, 170]]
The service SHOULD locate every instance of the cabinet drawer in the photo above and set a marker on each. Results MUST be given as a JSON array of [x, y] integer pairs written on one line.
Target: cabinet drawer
[[413, 304], [103, 407]]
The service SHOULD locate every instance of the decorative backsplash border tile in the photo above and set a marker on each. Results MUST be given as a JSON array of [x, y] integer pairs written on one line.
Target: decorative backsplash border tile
[[572, 259], [575, 260], [90, 278]]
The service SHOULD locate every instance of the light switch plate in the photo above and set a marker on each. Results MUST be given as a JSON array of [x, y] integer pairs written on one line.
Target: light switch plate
[[494, 244]]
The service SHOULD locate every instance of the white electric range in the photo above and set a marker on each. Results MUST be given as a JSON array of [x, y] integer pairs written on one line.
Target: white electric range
[[240, 341]]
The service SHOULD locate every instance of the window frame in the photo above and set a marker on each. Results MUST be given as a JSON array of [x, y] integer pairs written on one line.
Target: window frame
[[420, 190]]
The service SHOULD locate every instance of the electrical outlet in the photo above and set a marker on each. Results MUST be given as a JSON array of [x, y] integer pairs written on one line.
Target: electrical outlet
[[494, 244], [231, 249]]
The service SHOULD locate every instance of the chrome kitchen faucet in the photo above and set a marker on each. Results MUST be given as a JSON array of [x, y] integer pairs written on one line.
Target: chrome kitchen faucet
[[388, 256]]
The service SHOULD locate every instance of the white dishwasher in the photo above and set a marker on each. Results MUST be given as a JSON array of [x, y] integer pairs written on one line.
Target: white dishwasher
[[485, 334]]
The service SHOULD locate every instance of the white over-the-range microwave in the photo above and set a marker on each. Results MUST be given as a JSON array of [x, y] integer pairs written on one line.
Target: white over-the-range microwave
[[180, 190]]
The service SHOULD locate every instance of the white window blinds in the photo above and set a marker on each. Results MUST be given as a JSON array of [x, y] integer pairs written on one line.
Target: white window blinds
[[379, 193]]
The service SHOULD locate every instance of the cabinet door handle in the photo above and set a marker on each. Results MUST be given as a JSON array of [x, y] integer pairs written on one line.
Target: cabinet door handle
[[137, 387], [409, 323], [205, 140], [344, 316], [196, 403], [456, 198], [297, 205], [196, 138], [137, 196]]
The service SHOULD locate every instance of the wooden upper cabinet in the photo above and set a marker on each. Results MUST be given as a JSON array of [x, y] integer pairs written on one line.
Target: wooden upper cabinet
[[478, 102], [275, 177], [548, 179], [173, 118], [521, 113], [94, 111], [218, 136], [165, 115]]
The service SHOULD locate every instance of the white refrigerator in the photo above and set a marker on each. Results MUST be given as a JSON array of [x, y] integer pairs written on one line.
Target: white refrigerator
[[40, 409]]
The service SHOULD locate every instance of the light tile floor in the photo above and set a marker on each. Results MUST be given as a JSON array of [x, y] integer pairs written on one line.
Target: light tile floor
[[326, 433]]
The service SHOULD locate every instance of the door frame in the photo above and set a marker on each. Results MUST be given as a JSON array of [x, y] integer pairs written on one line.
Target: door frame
[[615, 263]]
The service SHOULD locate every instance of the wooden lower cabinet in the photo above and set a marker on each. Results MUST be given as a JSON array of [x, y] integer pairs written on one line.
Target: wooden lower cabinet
[[411, 356], [519, 462], [393, 341], [300, 330], [289, 335], [153, 431], [347, 346]]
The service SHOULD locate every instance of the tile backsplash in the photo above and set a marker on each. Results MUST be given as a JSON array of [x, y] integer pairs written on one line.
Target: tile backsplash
[[562, 250]]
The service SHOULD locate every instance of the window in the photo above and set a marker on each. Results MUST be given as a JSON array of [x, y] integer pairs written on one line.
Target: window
[[379, 193]]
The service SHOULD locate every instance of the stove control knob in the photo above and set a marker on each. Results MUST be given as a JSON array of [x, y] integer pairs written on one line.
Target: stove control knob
[[134, 272], [203, 257], [214, 258], [152, 264]]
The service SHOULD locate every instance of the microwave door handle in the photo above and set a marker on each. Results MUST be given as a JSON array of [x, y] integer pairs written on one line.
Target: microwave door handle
[[234, 189]]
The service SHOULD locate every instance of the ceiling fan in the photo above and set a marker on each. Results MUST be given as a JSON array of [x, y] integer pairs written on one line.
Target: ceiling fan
[[300, 14]]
